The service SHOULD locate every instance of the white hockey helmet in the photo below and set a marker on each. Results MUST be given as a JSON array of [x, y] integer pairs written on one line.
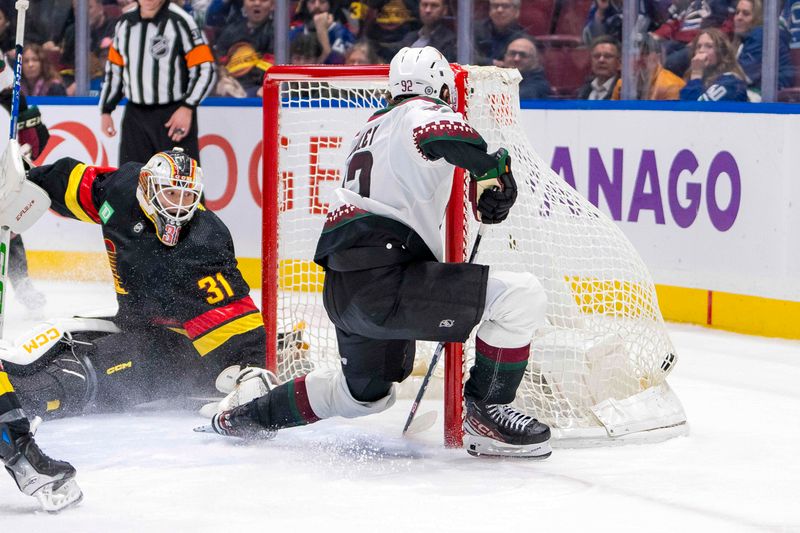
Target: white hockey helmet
[[421, 71], [170, 188]]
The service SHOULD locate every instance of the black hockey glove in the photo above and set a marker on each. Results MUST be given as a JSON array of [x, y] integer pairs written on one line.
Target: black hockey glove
[[493, 194]]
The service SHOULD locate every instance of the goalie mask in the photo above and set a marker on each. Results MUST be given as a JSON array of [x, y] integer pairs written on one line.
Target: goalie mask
[[421, 71], [170, 186]]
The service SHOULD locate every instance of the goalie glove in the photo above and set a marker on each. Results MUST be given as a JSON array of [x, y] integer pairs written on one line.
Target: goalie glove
[[241, 385], [493, 193]]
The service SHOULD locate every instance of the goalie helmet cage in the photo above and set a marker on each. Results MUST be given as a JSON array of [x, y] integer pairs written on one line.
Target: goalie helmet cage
[[597, 369]]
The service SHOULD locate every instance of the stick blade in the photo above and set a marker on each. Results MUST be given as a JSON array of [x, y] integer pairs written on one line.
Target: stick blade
[[421, 423]]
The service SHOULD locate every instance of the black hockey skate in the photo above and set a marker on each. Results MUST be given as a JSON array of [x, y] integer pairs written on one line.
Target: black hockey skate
[[501, 430], [241, 422], [50, 481]]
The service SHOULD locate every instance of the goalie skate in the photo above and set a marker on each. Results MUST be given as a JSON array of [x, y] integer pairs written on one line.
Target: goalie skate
[[501, 430]]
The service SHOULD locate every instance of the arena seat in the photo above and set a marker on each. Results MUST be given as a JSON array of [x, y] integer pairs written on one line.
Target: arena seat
[[572, 16], [536, 16], [566, 69]]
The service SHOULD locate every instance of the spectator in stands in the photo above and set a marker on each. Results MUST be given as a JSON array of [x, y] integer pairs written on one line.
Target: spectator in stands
[[220, 13], [493, 35], [362, 53], [39, 78], [227, 85], [791, 18], [605, 54], [7, 32], [388, 21], [101, 33], [245, 50], [45, 22], [254, 28], [326, 21], [522, 55], [434, 31], [686, 19], [96, 74], [653, 81], [748, 42], [305, 50], [605, 18], [714, 73]]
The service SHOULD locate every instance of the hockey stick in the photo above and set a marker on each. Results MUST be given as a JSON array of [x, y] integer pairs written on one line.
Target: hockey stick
[[5, 231], [426, 420]]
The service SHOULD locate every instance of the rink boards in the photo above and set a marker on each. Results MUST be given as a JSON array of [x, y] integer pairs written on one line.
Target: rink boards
[[709, 199]]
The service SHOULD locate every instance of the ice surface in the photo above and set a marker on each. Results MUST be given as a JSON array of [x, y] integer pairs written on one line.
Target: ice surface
[[146, 472]]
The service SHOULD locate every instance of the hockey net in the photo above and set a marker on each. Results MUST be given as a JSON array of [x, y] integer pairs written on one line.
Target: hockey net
[[597, 370]]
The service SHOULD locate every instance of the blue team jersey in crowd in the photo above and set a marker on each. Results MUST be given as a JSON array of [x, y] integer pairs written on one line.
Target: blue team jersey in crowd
[[726, 87]]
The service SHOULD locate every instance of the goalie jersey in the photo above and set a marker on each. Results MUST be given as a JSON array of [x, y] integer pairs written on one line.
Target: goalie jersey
[[194, 288], [397, 182]]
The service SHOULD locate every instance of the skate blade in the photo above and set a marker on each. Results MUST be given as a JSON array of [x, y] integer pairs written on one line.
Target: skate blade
[[265, 434], [484, 446], [57, 497]]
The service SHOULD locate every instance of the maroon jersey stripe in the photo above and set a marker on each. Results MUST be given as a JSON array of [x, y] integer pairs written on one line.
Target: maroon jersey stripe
[[301, 401], [502, 355]]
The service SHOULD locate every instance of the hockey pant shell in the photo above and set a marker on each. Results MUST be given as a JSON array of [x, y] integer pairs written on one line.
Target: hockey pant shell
[[114, 373], [379, 314], [143, 134], [515, 307]]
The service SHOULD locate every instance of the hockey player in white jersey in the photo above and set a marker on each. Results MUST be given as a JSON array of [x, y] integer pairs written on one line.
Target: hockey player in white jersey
[[386, 285]]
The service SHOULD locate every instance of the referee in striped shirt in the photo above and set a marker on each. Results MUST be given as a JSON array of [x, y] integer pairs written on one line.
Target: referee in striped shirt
[[160, 61]]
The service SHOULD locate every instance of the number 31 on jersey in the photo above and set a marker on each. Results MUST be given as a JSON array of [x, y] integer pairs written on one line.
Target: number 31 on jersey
[[217, 288]]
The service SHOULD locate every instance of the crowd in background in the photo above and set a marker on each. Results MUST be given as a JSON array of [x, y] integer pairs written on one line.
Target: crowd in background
[[686, 49]]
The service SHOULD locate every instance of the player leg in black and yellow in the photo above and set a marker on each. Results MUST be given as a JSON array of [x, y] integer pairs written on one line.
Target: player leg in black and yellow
[[51, 482]]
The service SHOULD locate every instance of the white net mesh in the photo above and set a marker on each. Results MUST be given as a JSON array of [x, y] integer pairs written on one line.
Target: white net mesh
[[605, 337]]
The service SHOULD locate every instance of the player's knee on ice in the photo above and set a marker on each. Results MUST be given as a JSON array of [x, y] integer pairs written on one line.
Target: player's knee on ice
[[515, 306]]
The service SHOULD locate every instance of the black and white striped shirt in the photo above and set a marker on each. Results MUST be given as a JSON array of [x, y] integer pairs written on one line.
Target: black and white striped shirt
[[158, 61]]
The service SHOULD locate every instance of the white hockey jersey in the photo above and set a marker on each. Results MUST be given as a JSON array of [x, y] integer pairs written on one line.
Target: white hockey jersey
[[388, 174]]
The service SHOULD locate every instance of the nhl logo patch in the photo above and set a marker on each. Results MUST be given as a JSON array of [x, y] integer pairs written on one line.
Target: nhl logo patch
[[138, 227], [159, 46]]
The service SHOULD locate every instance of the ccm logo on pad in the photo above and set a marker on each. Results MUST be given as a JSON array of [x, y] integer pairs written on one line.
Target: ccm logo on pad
[[41, 339]]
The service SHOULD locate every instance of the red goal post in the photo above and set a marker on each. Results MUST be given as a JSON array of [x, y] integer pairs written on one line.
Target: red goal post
[[455, 240]]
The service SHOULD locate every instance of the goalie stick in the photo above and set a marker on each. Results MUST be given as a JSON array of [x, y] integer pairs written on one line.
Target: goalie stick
[[5, 231], [21, 204], [427, 420]]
